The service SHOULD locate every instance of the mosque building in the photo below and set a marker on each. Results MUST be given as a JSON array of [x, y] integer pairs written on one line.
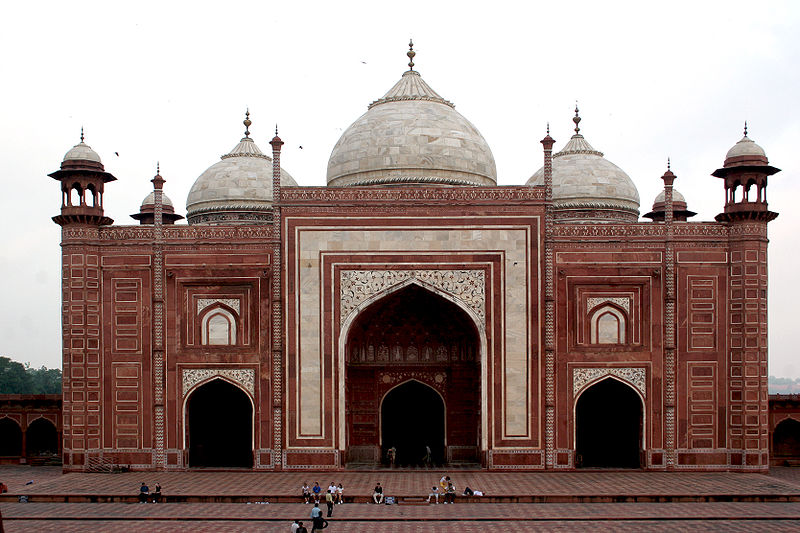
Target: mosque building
[[414, 304]]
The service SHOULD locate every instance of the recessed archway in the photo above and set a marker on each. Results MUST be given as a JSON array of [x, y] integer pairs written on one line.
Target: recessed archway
[[786, 440], [608, 426], [412, 417], [41, 438], [10, 438], [413, 333], [219, 426]]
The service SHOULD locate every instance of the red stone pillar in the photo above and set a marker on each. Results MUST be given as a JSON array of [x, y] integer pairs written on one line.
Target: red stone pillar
[[277, 308], [549, 304]]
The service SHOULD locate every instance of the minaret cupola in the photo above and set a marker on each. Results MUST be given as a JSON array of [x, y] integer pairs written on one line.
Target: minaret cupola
[[82, 178]]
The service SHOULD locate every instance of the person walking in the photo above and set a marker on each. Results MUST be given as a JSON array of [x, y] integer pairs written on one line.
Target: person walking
[[317, 522]]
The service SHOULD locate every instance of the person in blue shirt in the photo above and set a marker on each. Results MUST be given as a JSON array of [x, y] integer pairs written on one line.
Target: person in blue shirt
[[317, 489]]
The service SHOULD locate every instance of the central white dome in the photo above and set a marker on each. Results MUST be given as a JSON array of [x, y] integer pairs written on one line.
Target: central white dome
[[411, 135]]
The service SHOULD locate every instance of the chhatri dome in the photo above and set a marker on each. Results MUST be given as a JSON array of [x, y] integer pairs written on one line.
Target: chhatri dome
[[237, 189], [82, 152], [411, 136], [588, 187]]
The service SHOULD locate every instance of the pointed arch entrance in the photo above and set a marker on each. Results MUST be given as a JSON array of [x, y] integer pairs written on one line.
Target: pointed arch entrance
[[786, 441], [219, 426], [10, 438], [412, 417], [421, 344], [41, 438], [608, 426]]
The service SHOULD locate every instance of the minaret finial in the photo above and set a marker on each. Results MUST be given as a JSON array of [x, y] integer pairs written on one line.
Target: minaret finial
[[668, 165], [276, 129], [81, 133], [411, 53], [548, 127], [576, 119], [247, 123], [745, 128], [158, 168]]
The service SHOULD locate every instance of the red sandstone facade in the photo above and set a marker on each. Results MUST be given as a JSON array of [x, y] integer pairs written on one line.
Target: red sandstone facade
[[486, 323]]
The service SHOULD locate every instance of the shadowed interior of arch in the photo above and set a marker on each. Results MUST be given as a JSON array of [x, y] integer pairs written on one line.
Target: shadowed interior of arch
[[10, 438], [41, 437], [608, 432], [219, 419], [412, 417], [786, 440]]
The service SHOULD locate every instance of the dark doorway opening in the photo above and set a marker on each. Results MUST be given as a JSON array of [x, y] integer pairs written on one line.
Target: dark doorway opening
[[412, 417], [786, 440], [608, 421], [41, 438], [10, 438], [219, 426]]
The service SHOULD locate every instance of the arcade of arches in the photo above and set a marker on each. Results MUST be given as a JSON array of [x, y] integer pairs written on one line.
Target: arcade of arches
[[30, 428], [413, 380]]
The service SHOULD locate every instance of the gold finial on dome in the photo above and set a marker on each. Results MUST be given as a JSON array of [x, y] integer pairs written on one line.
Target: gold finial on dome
[[247, 123], [576, 119], [411, 53], [745, 128], [81, 133]]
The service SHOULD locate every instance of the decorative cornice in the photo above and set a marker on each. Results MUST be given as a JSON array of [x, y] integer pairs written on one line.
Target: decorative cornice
[[297, 195]]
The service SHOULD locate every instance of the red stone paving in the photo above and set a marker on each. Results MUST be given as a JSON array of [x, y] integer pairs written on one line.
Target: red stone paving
[[50, 480], [462, 517]]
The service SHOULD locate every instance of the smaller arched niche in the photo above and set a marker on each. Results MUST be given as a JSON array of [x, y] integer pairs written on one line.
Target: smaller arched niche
[[608, 325], [41, 438], [218, 326], [786, 440], [10, 438]]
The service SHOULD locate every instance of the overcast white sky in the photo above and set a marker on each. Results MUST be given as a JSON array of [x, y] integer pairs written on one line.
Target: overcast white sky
[[169, 82]]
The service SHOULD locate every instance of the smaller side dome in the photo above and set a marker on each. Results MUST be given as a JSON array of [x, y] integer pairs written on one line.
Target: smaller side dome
[[237, 189], [587, 187], [147, 212], [680, 211], [82, 152]]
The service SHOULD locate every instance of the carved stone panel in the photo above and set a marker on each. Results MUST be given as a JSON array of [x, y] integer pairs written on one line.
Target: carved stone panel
[[635, 376], [468, 286], [246, 377]]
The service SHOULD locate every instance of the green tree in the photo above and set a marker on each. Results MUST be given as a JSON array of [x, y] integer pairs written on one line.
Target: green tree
[[14, 379]]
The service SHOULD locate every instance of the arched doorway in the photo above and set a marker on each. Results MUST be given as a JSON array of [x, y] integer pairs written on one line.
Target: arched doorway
[[413, 333], [608, 426], [41, 438], [786, 441], [10, 438], [412, 417], [219, 426]]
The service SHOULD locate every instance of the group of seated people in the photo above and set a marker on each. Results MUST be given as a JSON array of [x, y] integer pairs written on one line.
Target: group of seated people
[[145, 495], [447, 488]]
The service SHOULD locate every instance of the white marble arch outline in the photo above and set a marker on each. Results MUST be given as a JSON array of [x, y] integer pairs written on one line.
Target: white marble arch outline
[[589, 385], [187, 393], [380, 408], [476, 320]]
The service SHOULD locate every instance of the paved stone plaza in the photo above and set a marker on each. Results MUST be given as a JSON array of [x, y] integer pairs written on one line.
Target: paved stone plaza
[[620, 501]]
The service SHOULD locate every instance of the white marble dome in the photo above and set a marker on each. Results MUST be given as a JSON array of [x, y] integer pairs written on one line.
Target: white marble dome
[[150, 200], [237, 189], [411, 136], [746, 147], [676, 197], [586, 186], [82, 152]]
